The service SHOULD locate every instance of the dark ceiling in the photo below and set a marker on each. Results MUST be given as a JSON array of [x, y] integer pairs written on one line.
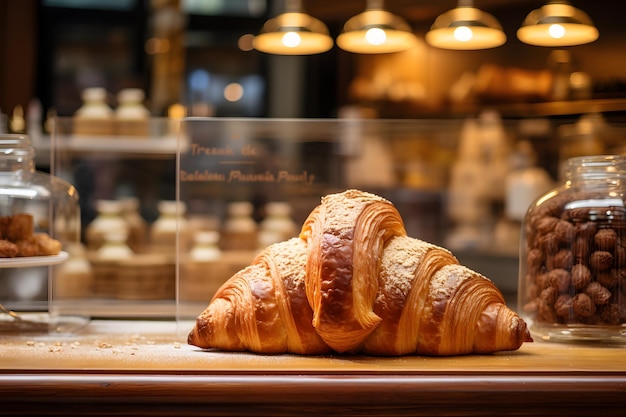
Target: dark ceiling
[[411, 10]]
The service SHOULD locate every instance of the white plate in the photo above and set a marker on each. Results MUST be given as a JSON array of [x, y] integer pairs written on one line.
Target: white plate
[[30, 261]]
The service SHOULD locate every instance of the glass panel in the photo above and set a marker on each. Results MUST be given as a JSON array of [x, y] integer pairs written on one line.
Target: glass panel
[[232, 173]]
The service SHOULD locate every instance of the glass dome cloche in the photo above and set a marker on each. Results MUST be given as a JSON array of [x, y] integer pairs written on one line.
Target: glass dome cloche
[[39, 219]]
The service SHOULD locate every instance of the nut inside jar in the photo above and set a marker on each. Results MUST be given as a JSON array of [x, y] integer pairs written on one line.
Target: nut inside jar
[[576, 262]]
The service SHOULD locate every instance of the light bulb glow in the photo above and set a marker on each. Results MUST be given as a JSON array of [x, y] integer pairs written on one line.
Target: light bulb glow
[[233, 92], [291, 39], [375, 36], [556, 31], [463, 34]]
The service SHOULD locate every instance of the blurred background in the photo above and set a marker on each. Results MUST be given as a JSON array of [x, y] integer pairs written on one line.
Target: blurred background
[[189, 51], [490, 128]]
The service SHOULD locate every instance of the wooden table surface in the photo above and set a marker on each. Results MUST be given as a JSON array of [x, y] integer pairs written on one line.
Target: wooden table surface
[[143, 368]]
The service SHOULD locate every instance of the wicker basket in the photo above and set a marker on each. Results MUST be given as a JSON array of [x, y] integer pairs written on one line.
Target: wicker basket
[[141, 277]]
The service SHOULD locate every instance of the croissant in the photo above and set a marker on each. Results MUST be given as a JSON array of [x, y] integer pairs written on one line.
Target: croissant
[[354, 282]]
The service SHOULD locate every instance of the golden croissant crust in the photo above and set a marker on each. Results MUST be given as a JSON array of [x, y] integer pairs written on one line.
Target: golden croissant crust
[[353, 281]]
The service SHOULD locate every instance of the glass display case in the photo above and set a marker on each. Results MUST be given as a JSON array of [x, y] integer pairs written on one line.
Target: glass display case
[[169, 215], [172, 210], [246, 183], [123, 179]]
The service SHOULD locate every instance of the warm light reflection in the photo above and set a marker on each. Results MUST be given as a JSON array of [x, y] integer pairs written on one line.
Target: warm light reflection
[[556, 31], [463, 34], [233, 92], [375, 36], [176, 111], [291, 39], [246, 42], [545, 197]]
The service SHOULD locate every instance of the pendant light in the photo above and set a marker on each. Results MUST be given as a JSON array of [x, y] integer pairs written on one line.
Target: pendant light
[[293, 33], [557, 24], [376, 31], [466, 28]]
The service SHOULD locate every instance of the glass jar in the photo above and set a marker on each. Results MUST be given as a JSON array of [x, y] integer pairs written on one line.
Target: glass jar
[[51, 201], [572, 278], [40, 215]]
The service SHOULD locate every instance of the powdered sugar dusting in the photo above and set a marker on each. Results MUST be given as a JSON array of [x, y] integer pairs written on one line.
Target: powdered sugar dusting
[[400, 260], [342, 209], [448, 278], [290, 258]]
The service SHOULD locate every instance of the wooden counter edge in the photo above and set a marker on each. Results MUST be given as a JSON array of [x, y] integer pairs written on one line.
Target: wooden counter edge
[[188, 394]]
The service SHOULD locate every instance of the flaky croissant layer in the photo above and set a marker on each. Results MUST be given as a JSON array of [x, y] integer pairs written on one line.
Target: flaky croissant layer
[[353, 281]]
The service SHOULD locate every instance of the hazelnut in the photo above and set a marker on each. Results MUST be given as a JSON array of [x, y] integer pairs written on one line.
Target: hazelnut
[[582, 305], [545, 224], [605, 239], [548, 243], [607, 278], [562, 259], [609, 313], [549, 295], [581, 276], [534, 259], [598, 293], [564, 231], [560, 279], [545, 312], [601, 260], [580, 250], [563, 306]]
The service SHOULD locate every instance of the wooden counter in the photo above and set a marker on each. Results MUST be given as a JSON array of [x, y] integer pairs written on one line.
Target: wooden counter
[[143, 368]]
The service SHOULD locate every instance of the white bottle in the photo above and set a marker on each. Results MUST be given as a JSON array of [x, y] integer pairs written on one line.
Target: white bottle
[[525, 183], [131, 114], [277, 225], [137, 226], [115, 247], [170, 224], [205, 247], [95, 116], [109, 219], [240, 231]]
